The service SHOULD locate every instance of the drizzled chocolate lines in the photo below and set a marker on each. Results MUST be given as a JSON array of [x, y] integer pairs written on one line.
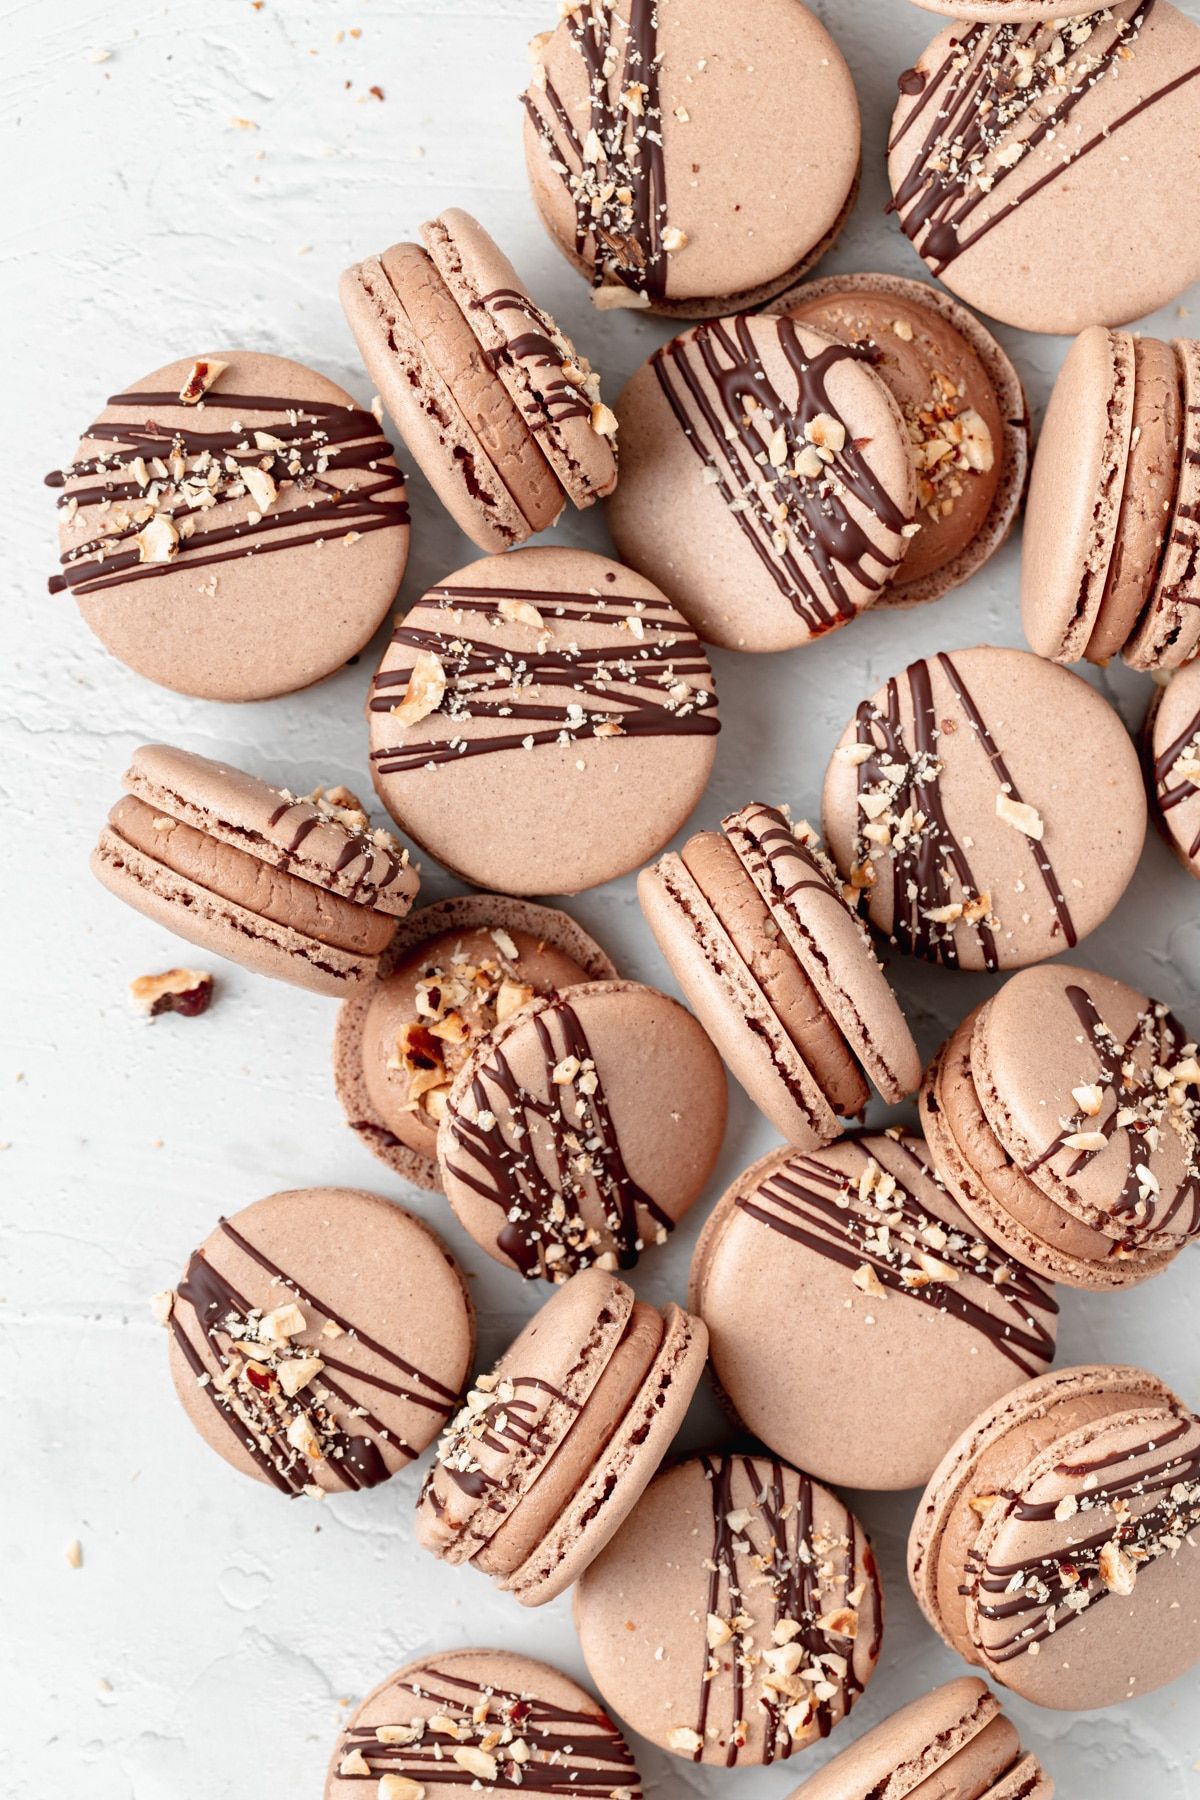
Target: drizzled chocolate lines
[[1170, 796], [740, 423], [358, 846], [558, 398], [514, 1426]]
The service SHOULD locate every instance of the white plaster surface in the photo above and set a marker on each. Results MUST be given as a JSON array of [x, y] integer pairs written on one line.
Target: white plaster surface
[[201, 187]]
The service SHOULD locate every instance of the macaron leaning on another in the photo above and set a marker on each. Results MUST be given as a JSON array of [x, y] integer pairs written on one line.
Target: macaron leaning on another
[[781, 972], [1172, 744], [496, 404], [654, 138], [554, 1447], [297, 887]]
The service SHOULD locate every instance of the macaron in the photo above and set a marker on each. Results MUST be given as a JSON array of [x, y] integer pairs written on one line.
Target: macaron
[[1064, 1116], [452, 972], [769, 486], [736, 1616], [465, 1722], [295, 886], [964, 409], [542, 721], [1026, 163], [319, 1339], [553, 1449], [988, 805], [581, 1129], [494, 401], [952, 1744], [654, 137], [781, 972], [1016, 12], [1172, 739], [232, 526], [857, 1320], [1110, 560], [1055, 1546]]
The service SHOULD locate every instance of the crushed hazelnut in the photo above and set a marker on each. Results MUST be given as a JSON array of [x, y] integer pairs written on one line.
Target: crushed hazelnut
[[1020, 815], [203, 373], [425, 691], [184, 991]]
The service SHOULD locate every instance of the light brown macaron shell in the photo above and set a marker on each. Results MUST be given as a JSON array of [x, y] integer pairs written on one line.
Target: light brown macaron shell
[[384, 1046], [295, 887], [1004, 12], [1085, 1482], [1173, 748], [768, 524], [320, 1338], [553, 1449], [735, 1572], [964, 408], [582, 1129], [213, 586], [857, 1320], [1042, 240], [543, 721], [991, 806], [472, 1721], [680, 140], [781, 972], [1169, 633]]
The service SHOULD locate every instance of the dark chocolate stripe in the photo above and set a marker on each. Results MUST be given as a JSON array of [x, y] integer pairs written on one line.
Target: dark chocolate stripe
[[1170, 796]]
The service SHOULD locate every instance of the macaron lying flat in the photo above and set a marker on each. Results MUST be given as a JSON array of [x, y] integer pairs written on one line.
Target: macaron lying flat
[[756, 1607], [1026, 164], [781, 972], [553, 1449], [856, 1318], [542, 721], [1111, 552], [232, 526], [989, 806], [769, 484], [952, 1744], [319, 1339], [300, 888], [654, 137], [1063, 1115], [1055, 1546], [582, 1129], [502, 413], [1172, 740], [464, 1722], [452, 972], [964, 409]]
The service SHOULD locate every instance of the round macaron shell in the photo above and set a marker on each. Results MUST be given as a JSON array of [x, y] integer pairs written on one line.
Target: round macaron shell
[[260, 593], [1004, 12], [1169, 634], [1173, 732], [921, 1740], [385, 1312]]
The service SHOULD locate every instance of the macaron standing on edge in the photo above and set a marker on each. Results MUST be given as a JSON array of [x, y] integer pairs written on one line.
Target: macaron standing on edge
[[1172, 746]]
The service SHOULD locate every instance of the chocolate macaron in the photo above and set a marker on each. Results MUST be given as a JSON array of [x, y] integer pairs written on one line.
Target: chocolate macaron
[[781, 971], [542, 721], [554, 1447], [1064, 1114], [319, 1339], [1055, 1544], [232, 526], [655, 133], [582, 1129], [496, 404], [911, 1321], [452, 972], [988, 805], [295, 886], [756, 1609], [769, 489], [1026, 163], [1172, 745]]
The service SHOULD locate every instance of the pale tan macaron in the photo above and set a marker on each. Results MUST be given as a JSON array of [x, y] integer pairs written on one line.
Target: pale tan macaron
[[1172, 743]]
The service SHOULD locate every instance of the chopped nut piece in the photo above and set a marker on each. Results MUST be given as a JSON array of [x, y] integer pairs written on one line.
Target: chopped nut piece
[[1067, 1507], [260, 486], [201, 377], [718, 1631], [674, 239], [1089, 1099], [297, 1372], [865, 1278], [1118, 1572], [354, 1763], [301, 1436], [157, 541], [841, 1622], [476, 1762], [604, 419], [185, 991], [614, 295], [511, 997], [565, 1071], [75, 1554], [1085, 1140], [685, 1740], [400, 1787], [284, 1322], [520, 612], [982, 1504], [1020, 815], [425, 691], [163, 1305]]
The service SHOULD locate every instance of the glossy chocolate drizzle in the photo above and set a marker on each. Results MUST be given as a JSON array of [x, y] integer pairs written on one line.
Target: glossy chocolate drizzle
[[1171, 796], [713, 377], [515, 1426], [380, 865], [556, 399]]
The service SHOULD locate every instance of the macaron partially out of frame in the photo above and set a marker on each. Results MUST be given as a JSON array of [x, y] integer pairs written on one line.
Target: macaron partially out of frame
[[781, 972], [297, 887], [452, 972], [1172, 746], [952, 1744], [1055, 1544], [1110, 560], [495, 403], [553, 1449]]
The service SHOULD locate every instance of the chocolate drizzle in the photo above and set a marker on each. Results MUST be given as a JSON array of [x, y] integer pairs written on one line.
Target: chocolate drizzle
[[815, 548], [514, 1423], [380, 863], [540, 345], [1171, 796]]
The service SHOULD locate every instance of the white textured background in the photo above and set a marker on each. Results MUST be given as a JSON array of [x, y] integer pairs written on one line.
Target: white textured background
[[203, 187]]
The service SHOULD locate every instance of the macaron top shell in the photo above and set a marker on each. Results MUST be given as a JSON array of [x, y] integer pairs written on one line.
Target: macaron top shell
[[233, 582], [1174, 745], [991, 806], [920, 1742], [1000, 12], [654, 136]]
